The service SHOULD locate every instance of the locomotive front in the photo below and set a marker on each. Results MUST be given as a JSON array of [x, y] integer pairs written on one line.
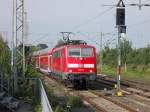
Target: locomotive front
[[81, 62]]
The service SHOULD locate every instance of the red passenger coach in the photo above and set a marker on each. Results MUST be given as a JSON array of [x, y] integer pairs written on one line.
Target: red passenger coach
[[43, 59], [74, 62]]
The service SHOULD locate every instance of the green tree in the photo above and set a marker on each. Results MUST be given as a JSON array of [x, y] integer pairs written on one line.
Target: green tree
[[5, 61], [110, 56], [126, 48], [42, 46]]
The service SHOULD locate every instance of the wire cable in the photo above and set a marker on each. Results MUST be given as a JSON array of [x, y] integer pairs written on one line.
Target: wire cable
[[138, 24], [147, 0], [97, 43], [99, 15]]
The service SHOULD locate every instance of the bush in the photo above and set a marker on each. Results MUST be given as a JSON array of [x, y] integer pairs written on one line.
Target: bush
[[59, 109], [38, 108], [74, 101]]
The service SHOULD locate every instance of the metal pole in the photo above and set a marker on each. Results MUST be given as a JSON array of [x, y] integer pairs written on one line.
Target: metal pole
[[25, 28], [119, 61], [20, 33], [12, 42], [23, 37], [101, 55], [14, 49], [18, 30], [120, 22]]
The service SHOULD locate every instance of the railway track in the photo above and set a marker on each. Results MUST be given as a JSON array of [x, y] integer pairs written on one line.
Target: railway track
[[99, 101], [143, 85], [115, 102], [135, 101], [97, 96], [127, 86], [102, 103], [134, 98]]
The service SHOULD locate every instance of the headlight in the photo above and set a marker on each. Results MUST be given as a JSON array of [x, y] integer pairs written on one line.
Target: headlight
[[70, 70]]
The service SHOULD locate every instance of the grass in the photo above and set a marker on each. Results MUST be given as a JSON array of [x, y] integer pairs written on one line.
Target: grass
[[59, 109], [61, 103], [38, 108], [74, 101], [107, 70], [139, 72]]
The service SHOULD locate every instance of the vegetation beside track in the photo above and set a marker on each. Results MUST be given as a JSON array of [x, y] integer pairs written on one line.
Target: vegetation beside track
[[5, 61], [62, 102], [64, 99], [130, 73], [135, 61], [25, 87]]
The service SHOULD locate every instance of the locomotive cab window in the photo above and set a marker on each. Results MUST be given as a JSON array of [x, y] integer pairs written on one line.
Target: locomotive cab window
[[74, 51], [80, 52], [87, 52]]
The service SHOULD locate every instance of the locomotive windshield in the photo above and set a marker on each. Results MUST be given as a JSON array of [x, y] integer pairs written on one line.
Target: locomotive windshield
[[74, 51], [83, 52], [86, 52]]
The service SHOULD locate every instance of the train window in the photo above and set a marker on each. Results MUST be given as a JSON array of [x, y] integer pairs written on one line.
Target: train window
[[74, 51], [56, 54], [87, 52]]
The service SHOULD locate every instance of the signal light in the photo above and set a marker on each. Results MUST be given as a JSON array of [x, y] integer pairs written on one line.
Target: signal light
[[120, 17], [122, 29]]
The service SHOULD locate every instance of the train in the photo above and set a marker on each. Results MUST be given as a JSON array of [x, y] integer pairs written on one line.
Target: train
[[73, 62]]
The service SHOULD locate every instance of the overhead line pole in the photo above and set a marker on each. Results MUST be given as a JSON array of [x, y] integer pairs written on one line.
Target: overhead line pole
[[101, 48], [20, 29], [23, 38], [18, 33], [14, 50]]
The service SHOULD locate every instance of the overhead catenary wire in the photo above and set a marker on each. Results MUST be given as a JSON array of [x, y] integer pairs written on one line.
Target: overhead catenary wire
[[147, 0], [95, 18], [138, 24], [43, 36], [89, 20], [97, 43]]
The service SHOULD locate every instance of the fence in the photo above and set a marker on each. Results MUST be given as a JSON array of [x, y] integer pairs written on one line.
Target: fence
[[46, 107], [32, 88]]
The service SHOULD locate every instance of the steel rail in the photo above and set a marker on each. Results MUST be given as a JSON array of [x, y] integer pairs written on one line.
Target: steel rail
[[111, 83], [92, 103], [80, 95], [115, 102]]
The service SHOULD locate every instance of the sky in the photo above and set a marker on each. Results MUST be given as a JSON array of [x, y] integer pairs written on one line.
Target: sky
[[85, 18]]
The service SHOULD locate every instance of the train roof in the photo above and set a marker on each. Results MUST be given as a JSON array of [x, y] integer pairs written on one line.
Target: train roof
[[70, 43], [73, 46], [80, 45], [43, 52]]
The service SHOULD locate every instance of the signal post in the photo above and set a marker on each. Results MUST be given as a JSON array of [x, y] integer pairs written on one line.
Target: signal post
[[120, 23]]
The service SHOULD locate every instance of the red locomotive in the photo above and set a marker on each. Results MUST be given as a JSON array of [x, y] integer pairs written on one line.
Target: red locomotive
[[74, 62]]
